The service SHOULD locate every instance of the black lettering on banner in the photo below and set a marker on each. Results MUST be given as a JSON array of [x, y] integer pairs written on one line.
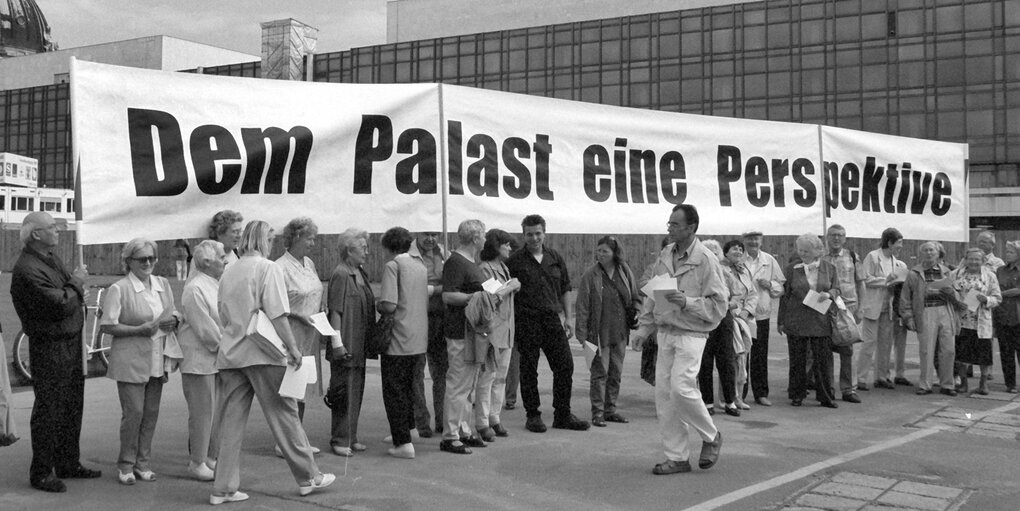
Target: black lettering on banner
[[542, 149], [728, 161], [756, 175], [620, 169], [891, 176], [869, 185], [280, 152], [142, 140], [642, 168], [596, 164], [830, 182], [424, 159], [367, 150], [673, 175], [921, 182], [210, 143], [849, 180], [455, 174], [941, 194], [517, 186], [483, 175], [806, 196], [901, 201], [780, 169]]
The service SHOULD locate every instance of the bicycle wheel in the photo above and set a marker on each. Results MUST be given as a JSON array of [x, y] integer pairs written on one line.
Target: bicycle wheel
[[101, 345], [21, 362]]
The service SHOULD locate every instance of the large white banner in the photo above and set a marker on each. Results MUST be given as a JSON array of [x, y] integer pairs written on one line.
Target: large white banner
[[876, 181], [161, 152], [594, 168]]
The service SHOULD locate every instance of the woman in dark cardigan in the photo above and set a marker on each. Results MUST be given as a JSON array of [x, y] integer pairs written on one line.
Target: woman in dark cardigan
[[806, 328]]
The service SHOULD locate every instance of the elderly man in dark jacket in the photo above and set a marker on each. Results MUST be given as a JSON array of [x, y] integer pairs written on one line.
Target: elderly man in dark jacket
[[49, 302]]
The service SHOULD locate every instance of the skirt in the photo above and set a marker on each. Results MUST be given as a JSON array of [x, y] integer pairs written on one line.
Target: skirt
[[972, 350]]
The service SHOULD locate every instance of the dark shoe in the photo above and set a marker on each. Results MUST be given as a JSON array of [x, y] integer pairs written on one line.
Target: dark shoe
[[535, 424], [796, 402], [439, 429], [948, 392], [711, 410], [764, 401], [902, 381], [571, 422], [710, 452], [50, 483], [884, 384], [79, 472], [487, 434], [851, 398], [671, 467], [500, 430], [598, 421], [923, 392], [615, 417], [830, 404], [472, 441], [458, 448], [425, 432], [329, 402], [981, 391], [731, 410], [863, 386], [509, 406]]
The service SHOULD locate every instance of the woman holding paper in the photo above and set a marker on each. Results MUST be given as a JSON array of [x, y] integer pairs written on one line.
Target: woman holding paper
[[804, 318], [608, 290], [304, 293], [978, 287], [928, 305], [405, 295], [877, 329], [138, 312], [351, 305], [250, 287], [491, 388]]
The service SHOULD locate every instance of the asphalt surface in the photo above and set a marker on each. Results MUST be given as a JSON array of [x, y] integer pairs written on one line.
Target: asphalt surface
[[772, 458]]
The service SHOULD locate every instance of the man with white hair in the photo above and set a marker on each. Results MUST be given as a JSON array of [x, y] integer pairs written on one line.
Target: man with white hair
[[49, 301], [199, 337]]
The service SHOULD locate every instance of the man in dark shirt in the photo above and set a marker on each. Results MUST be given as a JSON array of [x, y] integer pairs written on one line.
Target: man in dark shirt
[[49, 302], [461, 278], [539, 303]]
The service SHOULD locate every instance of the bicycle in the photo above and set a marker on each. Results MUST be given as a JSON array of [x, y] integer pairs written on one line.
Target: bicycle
[[96, 342]]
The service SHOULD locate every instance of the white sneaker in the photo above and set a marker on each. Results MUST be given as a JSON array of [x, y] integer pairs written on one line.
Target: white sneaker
[[316, 450], [414, 436], [200, 472], [327, 479], [237, 496], [405, 451], [211, 464]]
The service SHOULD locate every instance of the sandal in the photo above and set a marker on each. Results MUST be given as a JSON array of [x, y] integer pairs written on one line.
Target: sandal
[[671, 467]]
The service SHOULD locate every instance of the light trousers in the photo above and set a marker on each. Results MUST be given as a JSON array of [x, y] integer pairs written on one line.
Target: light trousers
[[876, 344], [677, 397], [938, 327], [235, 389], [139, 405], [490, 391], [461, 379], [203, 423], [899, 348]]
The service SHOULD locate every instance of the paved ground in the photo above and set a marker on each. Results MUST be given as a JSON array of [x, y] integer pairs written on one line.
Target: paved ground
[[895, 451]]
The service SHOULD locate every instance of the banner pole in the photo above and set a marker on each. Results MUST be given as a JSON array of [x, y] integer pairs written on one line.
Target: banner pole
[[443, 167], [825, 187], [79, 250]]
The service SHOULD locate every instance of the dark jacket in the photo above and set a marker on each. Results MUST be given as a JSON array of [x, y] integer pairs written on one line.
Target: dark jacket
[[799, 319], [49, 300]]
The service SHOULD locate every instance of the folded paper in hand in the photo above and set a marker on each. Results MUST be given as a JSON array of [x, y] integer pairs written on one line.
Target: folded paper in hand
[[321, 324], [972, 300], [491, 286], [262, 331], [295, 381], [814, 300], [590, 350]]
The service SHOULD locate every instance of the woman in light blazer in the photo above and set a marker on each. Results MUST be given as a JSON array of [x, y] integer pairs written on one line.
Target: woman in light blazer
[[138, 312], [877, 329]]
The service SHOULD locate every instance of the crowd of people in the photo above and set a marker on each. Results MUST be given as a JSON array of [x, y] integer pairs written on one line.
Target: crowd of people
[[478, 317]]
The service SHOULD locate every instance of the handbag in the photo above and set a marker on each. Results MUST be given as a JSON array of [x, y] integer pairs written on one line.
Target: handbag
[[378, 340], [845, 331], [630, 311]]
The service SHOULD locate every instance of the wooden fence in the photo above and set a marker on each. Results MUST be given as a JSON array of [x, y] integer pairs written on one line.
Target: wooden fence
[[577, 249]]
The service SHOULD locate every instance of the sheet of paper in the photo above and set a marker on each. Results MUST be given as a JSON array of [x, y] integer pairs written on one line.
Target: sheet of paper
[[814, 300], [590, 350], [972, 301], [839, 303], [491, 286], [658, 282], [321, 323], [901, 273], [295, 381]]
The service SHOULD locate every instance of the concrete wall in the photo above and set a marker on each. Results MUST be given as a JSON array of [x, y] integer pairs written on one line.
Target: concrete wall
[[410, 20], [154, 52]]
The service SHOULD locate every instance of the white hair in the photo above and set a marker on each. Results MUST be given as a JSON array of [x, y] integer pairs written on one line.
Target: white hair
[[469, 231], [29, 225], [205, 253], [714, 247]]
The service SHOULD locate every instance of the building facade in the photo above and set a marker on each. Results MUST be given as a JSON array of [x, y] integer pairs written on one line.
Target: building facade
[[947, 70]]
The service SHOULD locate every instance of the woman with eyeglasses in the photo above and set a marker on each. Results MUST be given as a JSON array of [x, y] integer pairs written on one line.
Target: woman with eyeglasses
[[138, 312], [606, 295]]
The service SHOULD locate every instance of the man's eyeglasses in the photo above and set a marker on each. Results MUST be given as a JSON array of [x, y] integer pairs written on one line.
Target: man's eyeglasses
[[144, 260]]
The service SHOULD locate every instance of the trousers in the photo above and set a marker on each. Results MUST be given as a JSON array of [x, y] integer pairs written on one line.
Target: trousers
[[678, 401]]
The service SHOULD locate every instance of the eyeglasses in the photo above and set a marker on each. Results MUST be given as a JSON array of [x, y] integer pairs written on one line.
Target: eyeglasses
[[144, 260]]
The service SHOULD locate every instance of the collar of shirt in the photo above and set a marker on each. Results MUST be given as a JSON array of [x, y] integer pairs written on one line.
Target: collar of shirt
[[139, 286]]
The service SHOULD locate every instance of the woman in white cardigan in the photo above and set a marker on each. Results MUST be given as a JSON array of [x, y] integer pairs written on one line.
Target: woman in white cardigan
[[978, 287]]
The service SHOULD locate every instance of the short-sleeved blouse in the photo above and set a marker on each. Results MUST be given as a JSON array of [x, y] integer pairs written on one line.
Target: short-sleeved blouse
[[304, 293], [405, 284], [251, 284]]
